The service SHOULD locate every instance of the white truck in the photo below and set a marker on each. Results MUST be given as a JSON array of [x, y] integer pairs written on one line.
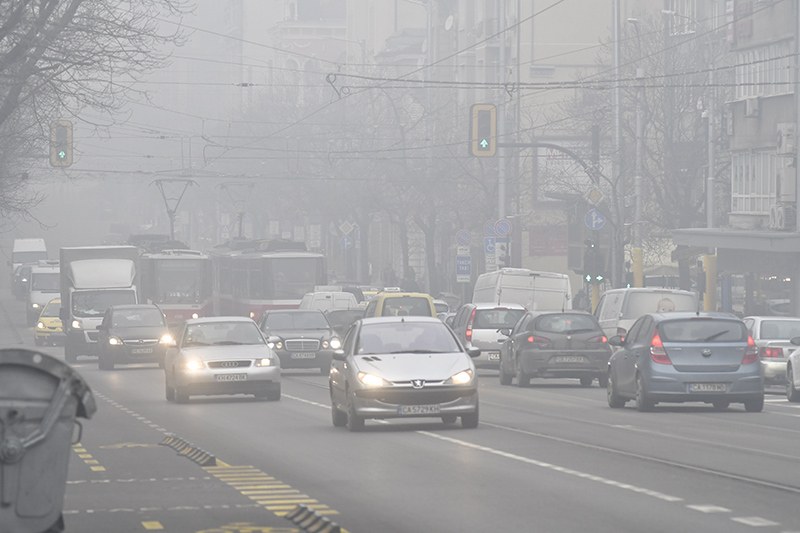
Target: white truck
[[43, 287], [27, 251], [93, 278], [535, 290]]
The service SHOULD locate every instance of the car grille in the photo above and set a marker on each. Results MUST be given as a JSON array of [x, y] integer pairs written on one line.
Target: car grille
[[92, 336], [230, 364], [302, 345], [140, 342], [415, 396]]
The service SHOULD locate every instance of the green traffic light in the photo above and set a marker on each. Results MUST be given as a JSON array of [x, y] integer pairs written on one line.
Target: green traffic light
[[62, 154]]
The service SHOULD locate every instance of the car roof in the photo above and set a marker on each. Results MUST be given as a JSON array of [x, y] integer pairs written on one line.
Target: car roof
[[483, 306], [292, 311], [216, 319], [133, 306], [682, 315], [650, 289], [404, 295], [400, 319], [564, 312], [772, 317]]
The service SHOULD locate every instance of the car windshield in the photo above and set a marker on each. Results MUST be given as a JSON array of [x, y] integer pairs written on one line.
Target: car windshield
[[95, 303], [45, 281], [566, 323], [441, 307], [406, 337], [702, 330], [497, 318], [300, 320], [52, 310], [130, 318], [406, 306], [641, 303], [780, 329], [222, 333], [343, 318]]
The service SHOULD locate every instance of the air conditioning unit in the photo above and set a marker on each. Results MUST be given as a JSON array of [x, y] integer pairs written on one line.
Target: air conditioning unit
[[785, 184], [782, 217], [752, 106], [785, 141]]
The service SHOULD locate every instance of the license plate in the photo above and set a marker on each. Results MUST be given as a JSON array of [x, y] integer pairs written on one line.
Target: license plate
[[303, 355], [411, 410], [141, 350], [570, 359], [230, 377], [707, 387], [494, 356]]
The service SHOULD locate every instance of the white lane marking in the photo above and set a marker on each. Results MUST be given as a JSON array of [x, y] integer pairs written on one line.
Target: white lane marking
[[309, 402], [755, 521], [709, 508]]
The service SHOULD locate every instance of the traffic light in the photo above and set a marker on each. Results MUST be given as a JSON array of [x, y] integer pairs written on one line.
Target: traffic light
[[501, 252], [61, 143], [594, 263], [483, 130]]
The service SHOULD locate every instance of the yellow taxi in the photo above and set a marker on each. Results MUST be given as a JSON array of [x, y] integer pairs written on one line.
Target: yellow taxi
[[48, 329], [400, 304]]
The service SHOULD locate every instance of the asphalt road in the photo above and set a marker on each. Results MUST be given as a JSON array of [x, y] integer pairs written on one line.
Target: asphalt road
[[550, 457]]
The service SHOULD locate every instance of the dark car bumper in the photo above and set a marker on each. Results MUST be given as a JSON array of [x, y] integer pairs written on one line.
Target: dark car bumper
[[131, 354], [320, 359], [564, 363]]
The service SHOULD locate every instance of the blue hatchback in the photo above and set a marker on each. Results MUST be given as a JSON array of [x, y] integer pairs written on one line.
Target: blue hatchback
[[686, 357]]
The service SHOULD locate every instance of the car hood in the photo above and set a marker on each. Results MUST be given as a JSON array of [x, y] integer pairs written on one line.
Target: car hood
[[300, 333], [404, 367], [142, 332], [216, 353]]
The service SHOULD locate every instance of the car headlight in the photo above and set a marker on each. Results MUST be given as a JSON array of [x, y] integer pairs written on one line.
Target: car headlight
[[166, 338], [40, 325], [35, 306], [462, 378], [193, 364], [264, 361], [114, 341], [335, 343], [195, 315], [277, 345], [76, 324], [252, 314], [371, 380]]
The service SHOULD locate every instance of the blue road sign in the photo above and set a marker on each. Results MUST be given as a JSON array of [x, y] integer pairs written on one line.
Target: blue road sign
[[463, 238], [488, 245], [347, 242], [594, 220], [488, 229], [502, 227], [463, 268]]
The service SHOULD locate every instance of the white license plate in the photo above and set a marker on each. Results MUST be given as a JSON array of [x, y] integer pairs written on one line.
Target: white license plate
[[230, 377], [707, 387], [493, 356], [570, 359], [141, 350], [303, 355], [411, 410]]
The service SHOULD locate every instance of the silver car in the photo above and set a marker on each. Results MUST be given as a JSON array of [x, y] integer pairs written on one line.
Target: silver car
[[773, 335], [478, 325], [403, 367], [793, 373], [221, 355]]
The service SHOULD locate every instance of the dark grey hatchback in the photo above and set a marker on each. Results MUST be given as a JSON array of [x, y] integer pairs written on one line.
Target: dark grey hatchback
[[686, 357], [135, 333]]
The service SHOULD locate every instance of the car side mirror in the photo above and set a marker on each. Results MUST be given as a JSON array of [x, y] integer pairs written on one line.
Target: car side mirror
[[795, 341], [505, 332], [617, 340], [339, 355], [473, 352]]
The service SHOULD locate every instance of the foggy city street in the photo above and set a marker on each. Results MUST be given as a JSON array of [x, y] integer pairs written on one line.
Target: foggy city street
[[378, 266]]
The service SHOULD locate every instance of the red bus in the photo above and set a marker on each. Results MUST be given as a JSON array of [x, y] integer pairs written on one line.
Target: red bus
[[253, 276], [179, 282]]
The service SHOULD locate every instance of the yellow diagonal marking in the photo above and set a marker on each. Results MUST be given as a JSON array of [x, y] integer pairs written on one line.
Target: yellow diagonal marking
[[284, 502], [97, 468], [262, 491], [152, 525], [85, 455], [266, 499], [91, 461]]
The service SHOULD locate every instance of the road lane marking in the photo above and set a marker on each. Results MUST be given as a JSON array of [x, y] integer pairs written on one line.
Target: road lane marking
[[755, 521], [87, 458], [152, 525], [709, 508]]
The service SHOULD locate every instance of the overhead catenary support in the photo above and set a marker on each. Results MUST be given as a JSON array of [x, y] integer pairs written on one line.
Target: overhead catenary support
[[172, 200]]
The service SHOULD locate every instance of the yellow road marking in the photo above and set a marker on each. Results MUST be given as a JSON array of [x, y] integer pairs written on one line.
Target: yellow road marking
[[271, 497], [98, 468], [294, 501], [152, 525], [91, 461], [269, 489], [85, 455]]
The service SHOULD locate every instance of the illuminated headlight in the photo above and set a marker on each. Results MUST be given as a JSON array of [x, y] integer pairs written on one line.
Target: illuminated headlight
[[166, 338], [335, 343], [462, 378], [24, 280], [193, 365], [195, 315], [114, 341], [266, 361], [252, 314], [35, 306], [276, 345], [371, 380], [40, 325], [76, 324]]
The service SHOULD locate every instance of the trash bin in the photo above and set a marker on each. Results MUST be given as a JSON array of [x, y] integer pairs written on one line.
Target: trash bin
[[40, 397]]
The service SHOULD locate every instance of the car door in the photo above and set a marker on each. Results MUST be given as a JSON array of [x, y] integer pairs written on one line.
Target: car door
[[628, 358], [104, 329], [517, 339], [338, 375]]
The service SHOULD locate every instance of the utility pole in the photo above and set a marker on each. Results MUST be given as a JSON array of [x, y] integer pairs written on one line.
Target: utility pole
[[796, 275], [616, 235], [637, 258], [501, 109], [172, 201]]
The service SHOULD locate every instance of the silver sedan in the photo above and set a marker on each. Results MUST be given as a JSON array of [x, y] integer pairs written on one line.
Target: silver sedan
[[221, 355], [403, 367]]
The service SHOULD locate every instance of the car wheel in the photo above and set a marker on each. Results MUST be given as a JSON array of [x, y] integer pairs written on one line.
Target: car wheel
[[721, 405], [523, 379], [70, 355], [602, 381], [324, 370], [354, 422], [470, 421], [754, 406], [505, 378], [449, 419], [615, 401], [792, 394], [37, 341], [181, 396], [587, 381], [338, 417], [273, 395], [643, 403]]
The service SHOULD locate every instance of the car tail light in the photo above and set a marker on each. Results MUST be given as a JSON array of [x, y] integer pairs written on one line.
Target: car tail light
[[751, 353], [602, 339], [468, 333], [538, 340], [657, 352], [770, 352]]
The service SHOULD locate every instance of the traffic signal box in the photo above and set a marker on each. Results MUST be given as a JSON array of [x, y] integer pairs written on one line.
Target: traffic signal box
[[594, 263], [483, 130], [61, 143]]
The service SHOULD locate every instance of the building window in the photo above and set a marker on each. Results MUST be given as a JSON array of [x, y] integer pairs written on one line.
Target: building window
[[753, 177], [765, 70]]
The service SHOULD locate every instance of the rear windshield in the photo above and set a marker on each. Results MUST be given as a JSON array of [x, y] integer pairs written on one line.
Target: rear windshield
[[780, 329], [566, 323], [703, 330], [641, 303], [406, 306], [496, 318]]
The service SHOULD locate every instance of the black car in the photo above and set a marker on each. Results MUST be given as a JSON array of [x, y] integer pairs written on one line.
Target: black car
[[341, 319], [302, 338], [132, 334], [555, 345]]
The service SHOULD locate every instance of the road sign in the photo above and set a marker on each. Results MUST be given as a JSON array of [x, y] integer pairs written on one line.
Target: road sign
[[346, 227], [463, 250], [594, 220], [463, 269], [347, 242], [488, 245], [594, 196], [502, 227], [463, 238]]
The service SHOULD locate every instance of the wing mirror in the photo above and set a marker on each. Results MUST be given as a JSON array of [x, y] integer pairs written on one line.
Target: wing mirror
[[473, 352], [617, 340], [795, 341], [339, 355], [506, 332]]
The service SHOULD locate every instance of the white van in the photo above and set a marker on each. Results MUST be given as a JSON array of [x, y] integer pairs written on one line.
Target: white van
[[328, 301], [620, 308], [27, 251], [44, 285], [532, 289]]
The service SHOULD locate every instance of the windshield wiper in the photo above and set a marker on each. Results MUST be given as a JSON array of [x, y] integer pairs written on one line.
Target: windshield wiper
[[581, 330], [715, 335], [227, 343]]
